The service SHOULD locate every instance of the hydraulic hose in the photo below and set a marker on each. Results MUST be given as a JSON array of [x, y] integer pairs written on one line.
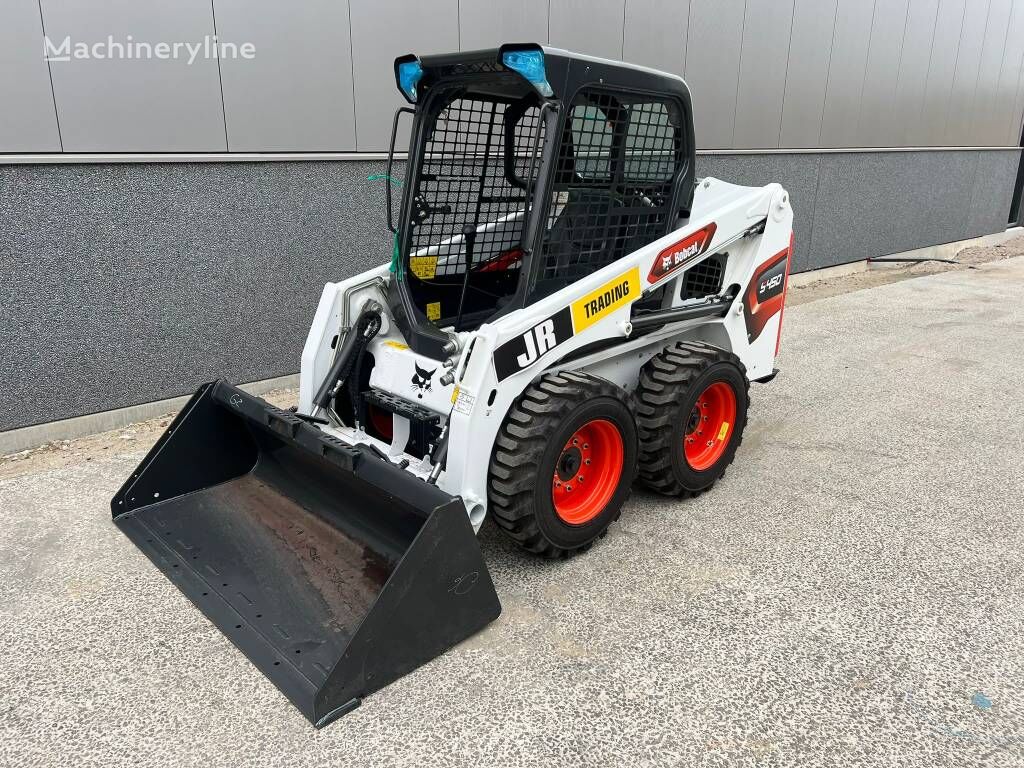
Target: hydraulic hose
[[438, 455], [363, 330], [355, 373]]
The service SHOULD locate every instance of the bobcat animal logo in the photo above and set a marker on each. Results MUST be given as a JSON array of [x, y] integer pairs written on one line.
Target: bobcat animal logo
[[421, 380]]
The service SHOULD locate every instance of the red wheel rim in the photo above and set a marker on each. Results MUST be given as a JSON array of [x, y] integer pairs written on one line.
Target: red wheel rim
[[382, 422], [710, 426], [587, 472]]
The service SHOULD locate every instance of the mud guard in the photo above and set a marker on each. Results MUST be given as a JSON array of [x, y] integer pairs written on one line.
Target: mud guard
[[331, 569]]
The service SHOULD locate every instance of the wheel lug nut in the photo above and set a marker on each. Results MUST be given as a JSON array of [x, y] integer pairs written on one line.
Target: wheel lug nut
[[587, 461], [568, 487], [580, 478], [585, 446]]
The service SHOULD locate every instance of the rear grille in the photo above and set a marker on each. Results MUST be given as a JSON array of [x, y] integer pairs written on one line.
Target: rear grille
[[704, 279]]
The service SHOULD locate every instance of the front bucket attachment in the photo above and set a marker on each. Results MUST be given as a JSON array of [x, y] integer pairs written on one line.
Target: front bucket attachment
[[333, 570]]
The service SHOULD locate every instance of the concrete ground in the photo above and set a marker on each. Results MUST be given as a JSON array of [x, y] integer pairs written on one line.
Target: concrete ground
[[850, 594]]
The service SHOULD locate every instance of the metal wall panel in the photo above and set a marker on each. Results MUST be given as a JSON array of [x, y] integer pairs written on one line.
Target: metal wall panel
[[847, 65], [807, 75], [941, 67], [960, 119], [296, 93], [879, 124], [913, 71], [655, 33], [136, 105], [767, 26], [381, 31], [489, 23], [1018, 115], [588, 26], [1010, 101], [984, 129], [712, 68], [791, 74], [1016, 130], [28, 121]]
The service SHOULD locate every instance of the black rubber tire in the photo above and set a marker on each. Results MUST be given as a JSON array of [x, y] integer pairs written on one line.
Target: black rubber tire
[[666, 393], [528, 447]]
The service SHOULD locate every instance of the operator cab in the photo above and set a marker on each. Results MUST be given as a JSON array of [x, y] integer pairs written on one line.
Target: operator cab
[[529, 168]]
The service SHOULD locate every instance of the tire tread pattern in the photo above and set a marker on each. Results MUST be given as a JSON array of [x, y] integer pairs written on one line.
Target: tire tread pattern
[[665, 380], [520, 445]]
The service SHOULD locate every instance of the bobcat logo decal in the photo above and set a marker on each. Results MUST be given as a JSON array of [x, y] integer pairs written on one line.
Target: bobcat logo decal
[[421, 380]]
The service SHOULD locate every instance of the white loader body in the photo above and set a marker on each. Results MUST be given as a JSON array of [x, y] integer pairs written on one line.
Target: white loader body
[[487, 379], [568, 311]]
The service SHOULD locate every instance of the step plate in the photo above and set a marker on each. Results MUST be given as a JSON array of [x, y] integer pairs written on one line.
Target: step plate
[[397, 405]]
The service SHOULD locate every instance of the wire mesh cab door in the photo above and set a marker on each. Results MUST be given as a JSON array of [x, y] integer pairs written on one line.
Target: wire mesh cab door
[[614, 188], [473, 162]]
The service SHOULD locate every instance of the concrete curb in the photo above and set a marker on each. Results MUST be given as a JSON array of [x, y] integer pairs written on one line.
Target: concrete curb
[[941, 251], [24, 438], [946, 250]]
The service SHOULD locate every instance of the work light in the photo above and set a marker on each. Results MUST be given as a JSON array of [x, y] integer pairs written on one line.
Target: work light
[[409, 74], [529, 64]]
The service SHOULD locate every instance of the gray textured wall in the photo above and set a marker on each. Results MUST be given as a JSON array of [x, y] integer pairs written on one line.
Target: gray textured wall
[[764, 73], [130, 283]]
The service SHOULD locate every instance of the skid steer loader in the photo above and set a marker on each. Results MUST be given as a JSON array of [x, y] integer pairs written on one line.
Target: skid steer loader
[[567, 310]]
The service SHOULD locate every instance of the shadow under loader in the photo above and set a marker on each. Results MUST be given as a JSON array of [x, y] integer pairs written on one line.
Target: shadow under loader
[[331, 569]]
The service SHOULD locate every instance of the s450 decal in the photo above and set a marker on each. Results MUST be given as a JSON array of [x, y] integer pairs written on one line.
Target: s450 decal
[[766, 293]]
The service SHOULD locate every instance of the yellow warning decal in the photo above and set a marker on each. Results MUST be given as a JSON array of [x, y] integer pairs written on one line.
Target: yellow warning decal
[[723, 431], [598, 304], [395, 344], [434, 310], [455, 394], [424, 267]]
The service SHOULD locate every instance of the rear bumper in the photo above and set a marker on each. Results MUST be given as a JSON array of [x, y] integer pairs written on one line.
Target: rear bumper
[[766, 379]]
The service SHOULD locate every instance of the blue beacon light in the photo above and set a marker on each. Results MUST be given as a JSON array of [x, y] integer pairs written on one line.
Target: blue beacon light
[[409, 74], [530, 64]]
